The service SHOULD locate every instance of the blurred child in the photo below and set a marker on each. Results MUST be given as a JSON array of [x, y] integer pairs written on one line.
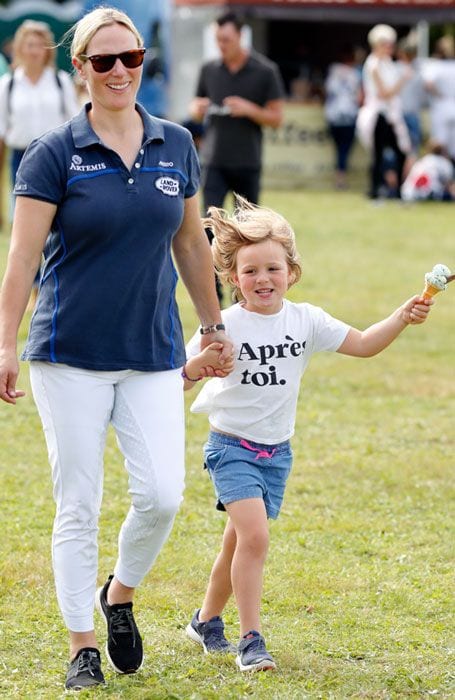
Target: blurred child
[[431, 177], [252, 409]]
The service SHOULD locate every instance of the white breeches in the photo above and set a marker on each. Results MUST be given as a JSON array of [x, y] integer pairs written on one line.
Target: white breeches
[[147, 412]]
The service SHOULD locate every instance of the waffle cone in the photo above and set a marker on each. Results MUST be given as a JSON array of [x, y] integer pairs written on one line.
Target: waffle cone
[[430, 291]]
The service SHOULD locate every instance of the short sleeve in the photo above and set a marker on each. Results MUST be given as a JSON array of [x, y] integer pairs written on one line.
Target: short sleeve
[[40, 174], [193, 172], [201, 88], [328, 332], [276, 87]]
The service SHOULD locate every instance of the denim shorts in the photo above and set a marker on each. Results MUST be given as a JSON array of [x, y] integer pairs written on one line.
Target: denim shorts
[[243, 469]]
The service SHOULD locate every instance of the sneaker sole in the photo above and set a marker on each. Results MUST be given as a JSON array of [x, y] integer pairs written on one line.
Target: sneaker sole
[[195, 637], [192, 634], [264, 665], [99, 607], [78, 688]]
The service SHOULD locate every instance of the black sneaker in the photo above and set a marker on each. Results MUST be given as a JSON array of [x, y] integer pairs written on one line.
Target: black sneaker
[[252, 654], [124, 643], [84, 670], [209, 634]]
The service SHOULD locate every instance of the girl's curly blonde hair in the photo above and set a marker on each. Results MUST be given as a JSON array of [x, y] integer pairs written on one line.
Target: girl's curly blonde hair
[[247, 225]]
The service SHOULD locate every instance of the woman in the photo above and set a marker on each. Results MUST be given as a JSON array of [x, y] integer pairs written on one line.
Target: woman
[[380, 123], [35, 97], [342, 90], [117, 189], [439, 77]]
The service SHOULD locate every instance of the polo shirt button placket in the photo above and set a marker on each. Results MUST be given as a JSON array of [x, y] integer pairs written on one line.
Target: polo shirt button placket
[[131, 180]]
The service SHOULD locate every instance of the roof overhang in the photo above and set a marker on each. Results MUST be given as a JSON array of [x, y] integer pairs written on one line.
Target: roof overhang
[[358, 11]]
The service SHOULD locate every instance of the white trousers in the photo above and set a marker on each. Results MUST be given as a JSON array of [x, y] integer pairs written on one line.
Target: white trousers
[[147, 412]]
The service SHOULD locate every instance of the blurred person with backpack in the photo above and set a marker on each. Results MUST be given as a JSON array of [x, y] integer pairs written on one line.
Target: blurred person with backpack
[[34, 96]]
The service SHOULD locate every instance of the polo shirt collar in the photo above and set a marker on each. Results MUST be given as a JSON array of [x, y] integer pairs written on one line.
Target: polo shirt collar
[[83, 134]]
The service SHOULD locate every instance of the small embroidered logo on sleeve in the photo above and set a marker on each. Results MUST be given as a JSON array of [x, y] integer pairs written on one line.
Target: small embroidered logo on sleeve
[[167, 185]]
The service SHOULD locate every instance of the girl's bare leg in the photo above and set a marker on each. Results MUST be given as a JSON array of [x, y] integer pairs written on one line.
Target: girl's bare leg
[[249, 519], [219, 588]]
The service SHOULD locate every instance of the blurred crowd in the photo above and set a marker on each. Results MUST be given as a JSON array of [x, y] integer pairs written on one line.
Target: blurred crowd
[[377, 98], [382, 103]]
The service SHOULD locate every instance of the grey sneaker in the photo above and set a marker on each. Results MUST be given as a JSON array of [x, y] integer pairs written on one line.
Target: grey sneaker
[[252, 654], [210, 634], [84, 670]]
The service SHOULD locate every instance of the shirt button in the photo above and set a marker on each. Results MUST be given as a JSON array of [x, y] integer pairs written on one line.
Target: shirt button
[[137, 165], [141, 151], [130, 181]]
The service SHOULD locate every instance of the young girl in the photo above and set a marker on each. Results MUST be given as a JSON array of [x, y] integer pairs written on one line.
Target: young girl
[[252, 408]]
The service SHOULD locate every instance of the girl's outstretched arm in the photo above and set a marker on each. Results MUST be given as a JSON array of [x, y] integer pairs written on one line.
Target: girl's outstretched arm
[[378, 336]]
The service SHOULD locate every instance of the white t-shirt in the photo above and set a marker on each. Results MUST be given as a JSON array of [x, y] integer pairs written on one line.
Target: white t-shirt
[[258, 400], [374, 105], [430, 176], [342, 94], [34, 108], [389, 75], [440, 73]]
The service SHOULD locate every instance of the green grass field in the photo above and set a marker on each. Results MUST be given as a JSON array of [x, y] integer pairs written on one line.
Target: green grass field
[[358, 595]]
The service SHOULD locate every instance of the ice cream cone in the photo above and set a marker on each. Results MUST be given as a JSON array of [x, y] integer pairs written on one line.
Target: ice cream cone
[[430, 291]]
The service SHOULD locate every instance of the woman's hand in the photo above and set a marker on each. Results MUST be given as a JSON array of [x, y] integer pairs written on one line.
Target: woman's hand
[[207, 363], [9, 371], [212, 365], [221, 338]]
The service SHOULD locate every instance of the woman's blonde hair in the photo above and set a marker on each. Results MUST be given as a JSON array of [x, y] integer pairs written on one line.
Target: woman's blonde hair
[[381, 33], [31, 26], [84, 30], [248, 224]]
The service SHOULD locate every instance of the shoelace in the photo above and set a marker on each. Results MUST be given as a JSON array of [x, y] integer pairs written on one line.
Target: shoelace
[[261, 453], [121, 622], [86, 661]]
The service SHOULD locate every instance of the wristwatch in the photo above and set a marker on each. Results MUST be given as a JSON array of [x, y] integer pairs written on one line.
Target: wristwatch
[[205, 330]]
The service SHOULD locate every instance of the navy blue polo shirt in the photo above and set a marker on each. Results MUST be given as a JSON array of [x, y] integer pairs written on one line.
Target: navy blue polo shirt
[[107, 296]]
